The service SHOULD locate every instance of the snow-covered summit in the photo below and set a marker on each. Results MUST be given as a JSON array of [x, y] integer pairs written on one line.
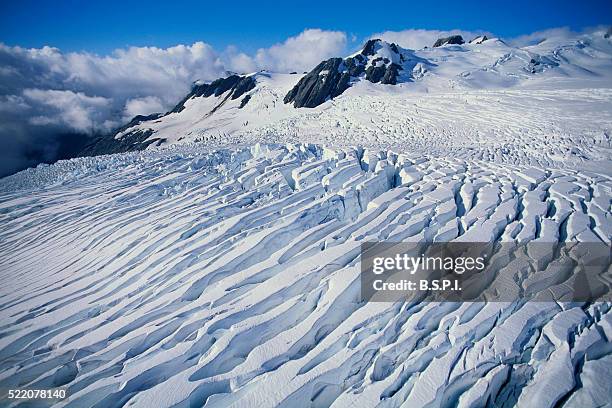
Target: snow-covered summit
[[377, 62], [388, 95]]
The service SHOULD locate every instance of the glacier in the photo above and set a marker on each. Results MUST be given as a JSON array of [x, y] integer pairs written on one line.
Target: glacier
[[220, 266], [185, 276]]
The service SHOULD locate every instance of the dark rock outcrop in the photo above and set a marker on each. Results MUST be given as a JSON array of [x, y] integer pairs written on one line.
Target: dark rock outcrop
[[244, 101], [370, 47], [385, 74], [238, 85], [324, 81], [332, 77], [391, 74], [107, 144], [138, 139], [453, 39], [479, 40], [375, 73], [540, 63], [138, 119], [130, 141]]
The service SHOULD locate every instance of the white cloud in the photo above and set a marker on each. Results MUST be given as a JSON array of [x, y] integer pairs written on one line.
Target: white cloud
[[150, 72], [302, 52], [299, 53], [142, 106], [416, 39], [73, 110], [126, 73], [561, 33], [13, 104], [239, 61]]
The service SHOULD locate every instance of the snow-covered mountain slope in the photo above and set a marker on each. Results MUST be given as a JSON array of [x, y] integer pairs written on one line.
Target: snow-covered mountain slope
[[180, 277], [545, 104]]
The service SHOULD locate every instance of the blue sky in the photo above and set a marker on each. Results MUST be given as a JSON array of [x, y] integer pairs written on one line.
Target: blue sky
[[101, 26]]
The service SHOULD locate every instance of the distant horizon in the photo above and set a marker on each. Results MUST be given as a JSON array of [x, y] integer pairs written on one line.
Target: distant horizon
[[73, 27]]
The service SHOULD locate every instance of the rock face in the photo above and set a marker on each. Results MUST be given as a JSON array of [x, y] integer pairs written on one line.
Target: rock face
[[385, 74], [540, 63], [107, 144], [135, 140], [378, 62], [453, 39], [370, 47], [324, 81], [238, 85], [139, 119], [138, 139], [479, 40]]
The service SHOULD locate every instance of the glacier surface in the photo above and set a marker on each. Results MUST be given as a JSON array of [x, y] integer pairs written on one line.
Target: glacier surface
[[184, 276]]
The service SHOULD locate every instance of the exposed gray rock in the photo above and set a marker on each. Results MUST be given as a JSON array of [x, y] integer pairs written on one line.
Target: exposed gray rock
[[324, 81], [453, 39], [539, 63], [238, 85], [131, 141], [391, 74], [107, 144], [385, 74], [370, 47], [244, 101], [375, 73], [332, 77], [479, 40], [136, 139], [138, 119]]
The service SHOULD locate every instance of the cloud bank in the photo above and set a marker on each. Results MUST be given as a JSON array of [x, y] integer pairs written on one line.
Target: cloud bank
[[45, 92]]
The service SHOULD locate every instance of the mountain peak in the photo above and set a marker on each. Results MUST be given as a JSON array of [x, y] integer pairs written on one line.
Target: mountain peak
[[453, 39], [373, 46], [237, 84], [370, 46], [378, 62], [479, 40]]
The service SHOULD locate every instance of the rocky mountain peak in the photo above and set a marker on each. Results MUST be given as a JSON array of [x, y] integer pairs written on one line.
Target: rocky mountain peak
[[237, 84], [378, 62], [453, 39], [479, 40]]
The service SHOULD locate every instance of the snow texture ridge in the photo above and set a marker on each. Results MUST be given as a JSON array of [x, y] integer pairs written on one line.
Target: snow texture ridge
[[184, 277]]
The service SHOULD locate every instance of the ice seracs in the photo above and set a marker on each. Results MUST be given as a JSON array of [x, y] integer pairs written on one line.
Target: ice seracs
[[183, 276], [220, 266]]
